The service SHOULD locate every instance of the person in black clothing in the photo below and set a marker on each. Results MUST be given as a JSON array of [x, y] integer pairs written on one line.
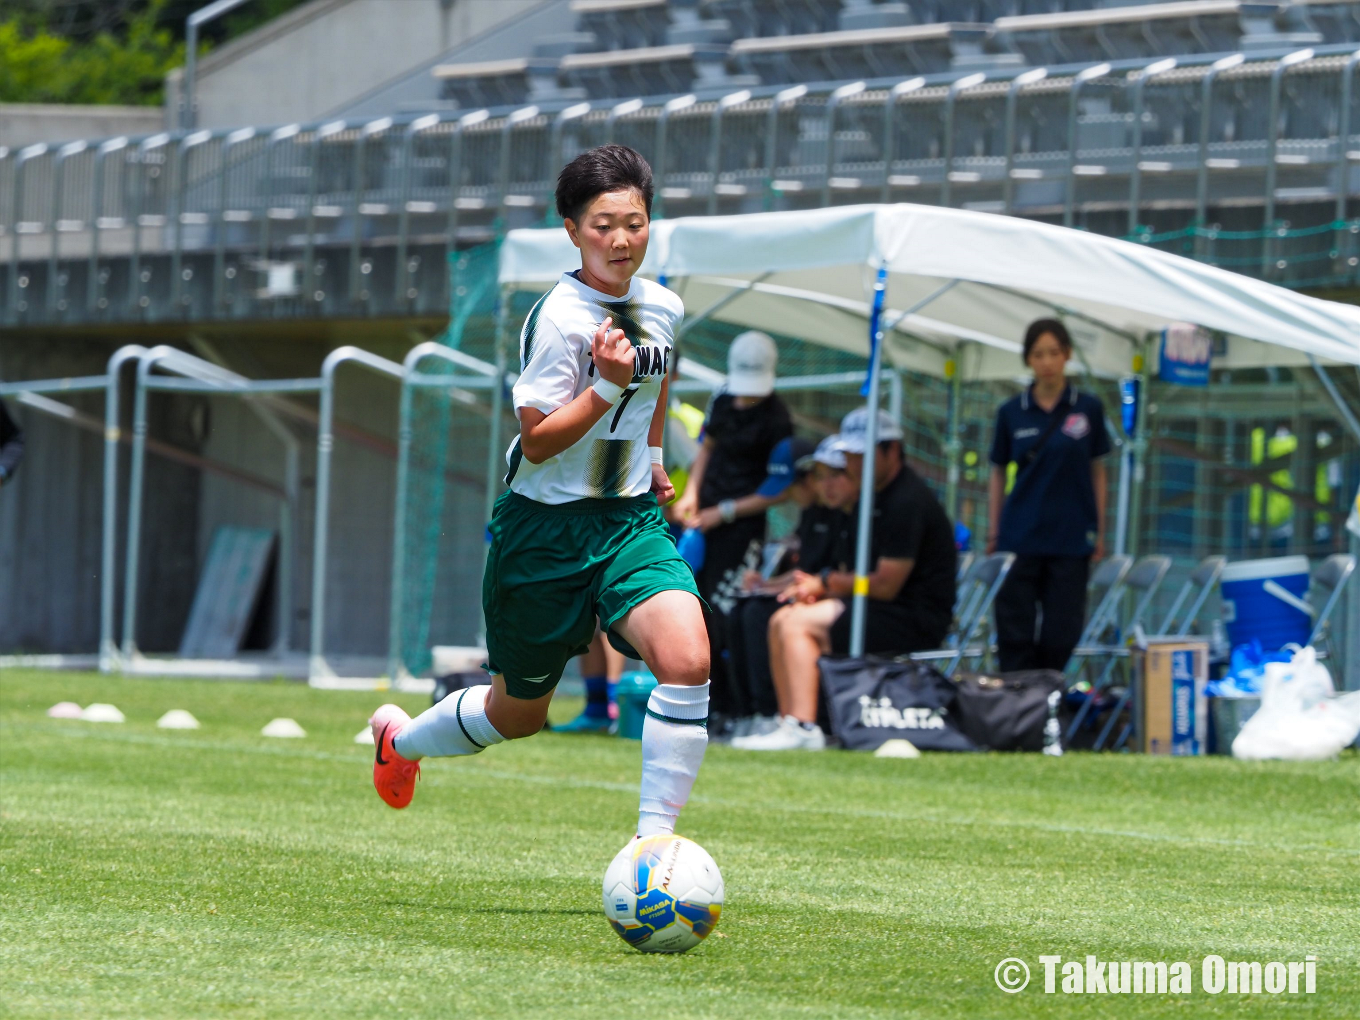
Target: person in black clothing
[[745, 420], [911, 588], [821, 539], [1054, 517], [11, 445]]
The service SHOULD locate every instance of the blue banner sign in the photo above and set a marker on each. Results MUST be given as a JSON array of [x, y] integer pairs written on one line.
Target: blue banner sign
[[1185, 355]]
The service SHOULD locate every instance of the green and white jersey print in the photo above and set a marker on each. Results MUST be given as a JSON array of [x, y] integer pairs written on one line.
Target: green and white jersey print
[[611, 459]]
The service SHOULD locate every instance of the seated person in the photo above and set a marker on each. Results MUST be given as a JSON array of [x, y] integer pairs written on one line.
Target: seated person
[[911, 588], [822, 491]]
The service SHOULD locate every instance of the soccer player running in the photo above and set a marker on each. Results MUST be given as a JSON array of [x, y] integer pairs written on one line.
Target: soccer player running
[[580, 535]]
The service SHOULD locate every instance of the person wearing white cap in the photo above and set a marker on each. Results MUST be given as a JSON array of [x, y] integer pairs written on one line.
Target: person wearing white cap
[[744, 423], [911, 587]]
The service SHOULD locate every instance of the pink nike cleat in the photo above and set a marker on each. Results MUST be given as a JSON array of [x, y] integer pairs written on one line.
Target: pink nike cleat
[[394, 777]]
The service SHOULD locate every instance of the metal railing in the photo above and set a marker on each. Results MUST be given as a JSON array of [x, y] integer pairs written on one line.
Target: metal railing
[[1247, 162]]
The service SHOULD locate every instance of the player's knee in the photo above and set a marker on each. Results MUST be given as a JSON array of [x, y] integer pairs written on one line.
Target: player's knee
[[683, 663]]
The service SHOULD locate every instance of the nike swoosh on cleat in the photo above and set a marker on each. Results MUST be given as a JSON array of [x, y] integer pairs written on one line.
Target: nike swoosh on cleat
[[381, 737]]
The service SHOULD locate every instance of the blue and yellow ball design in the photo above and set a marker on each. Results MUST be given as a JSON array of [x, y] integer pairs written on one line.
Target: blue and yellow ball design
[[663, 894]]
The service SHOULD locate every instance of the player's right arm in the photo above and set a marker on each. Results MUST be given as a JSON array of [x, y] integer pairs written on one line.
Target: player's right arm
[[546, 433]]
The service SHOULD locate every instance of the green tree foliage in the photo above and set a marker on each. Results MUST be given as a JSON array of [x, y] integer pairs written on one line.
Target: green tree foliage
[[125, 65], [106, 51], [30, 65]]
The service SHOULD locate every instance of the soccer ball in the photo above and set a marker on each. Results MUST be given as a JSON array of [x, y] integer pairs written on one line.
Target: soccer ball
[[663, 894]]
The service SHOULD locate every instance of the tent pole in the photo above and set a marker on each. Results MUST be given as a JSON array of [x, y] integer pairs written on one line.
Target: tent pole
[[860, 605], [1346, 413], [859, 608], [718, 305], [1352, 632], [952, 446], [1138, 452], [1121, 525]]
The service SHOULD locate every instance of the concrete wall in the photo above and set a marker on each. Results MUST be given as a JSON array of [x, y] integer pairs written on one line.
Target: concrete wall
[[419, 90], [318, 58], [23, 124]]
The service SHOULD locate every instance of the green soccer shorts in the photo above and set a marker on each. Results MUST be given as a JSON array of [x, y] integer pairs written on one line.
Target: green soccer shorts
[[552, 570]]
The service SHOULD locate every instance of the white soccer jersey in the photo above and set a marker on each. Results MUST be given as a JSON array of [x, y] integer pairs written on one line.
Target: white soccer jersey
[[611, 459]]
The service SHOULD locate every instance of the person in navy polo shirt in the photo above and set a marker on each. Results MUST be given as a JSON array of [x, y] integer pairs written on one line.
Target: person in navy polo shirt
[[1054, 518]]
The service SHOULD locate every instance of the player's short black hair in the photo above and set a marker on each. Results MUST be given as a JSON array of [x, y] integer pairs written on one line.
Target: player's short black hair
[[599, 171], [1038, 328]]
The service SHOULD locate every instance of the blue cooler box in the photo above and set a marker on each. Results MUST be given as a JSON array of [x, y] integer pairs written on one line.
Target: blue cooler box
[[1261, 600], [631, 695]]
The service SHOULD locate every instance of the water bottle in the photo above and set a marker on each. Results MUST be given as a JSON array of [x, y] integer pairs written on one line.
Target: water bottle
[[1052, 731]]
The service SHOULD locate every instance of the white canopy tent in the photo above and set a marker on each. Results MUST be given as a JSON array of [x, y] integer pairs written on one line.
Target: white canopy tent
[[959, 286], [810, 274]]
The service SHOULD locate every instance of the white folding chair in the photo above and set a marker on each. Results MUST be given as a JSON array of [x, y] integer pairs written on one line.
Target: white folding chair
[[1201, 581], [1145, 577], [1108, 582], [1197, 587], [1327, 583], [973, 608]]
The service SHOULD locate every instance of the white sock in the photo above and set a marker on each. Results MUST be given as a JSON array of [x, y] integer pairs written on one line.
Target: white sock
[[674, 736], [457, 725]]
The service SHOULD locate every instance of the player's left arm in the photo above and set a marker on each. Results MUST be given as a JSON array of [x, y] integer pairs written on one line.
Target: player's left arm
[[661, 482]]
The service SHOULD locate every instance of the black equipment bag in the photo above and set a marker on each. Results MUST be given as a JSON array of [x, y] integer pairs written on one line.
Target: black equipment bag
[[451, 682], [1007, 711], [875, 700]]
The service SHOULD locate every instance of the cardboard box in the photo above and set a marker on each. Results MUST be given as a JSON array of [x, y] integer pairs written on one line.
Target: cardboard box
[[1171, 711]]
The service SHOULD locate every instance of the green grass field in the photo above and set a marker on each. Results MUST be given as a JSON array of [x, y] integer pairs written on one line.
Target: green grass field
[[151, 873]]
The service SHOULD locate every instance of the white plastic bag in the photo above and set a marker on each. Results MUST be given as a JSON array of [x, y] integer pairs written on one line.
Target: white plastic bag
[[1301, 718]]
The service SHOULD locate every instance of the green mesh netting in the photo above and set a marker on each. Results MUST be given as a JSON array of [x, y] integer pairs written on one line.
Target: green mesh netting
[[1320, 255], [446, 477]]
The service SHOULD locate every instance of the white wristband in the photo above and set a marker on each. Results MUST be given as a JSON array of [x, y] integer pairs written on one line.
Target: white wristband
[[610, 391], [727, 510], [655, 451]]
